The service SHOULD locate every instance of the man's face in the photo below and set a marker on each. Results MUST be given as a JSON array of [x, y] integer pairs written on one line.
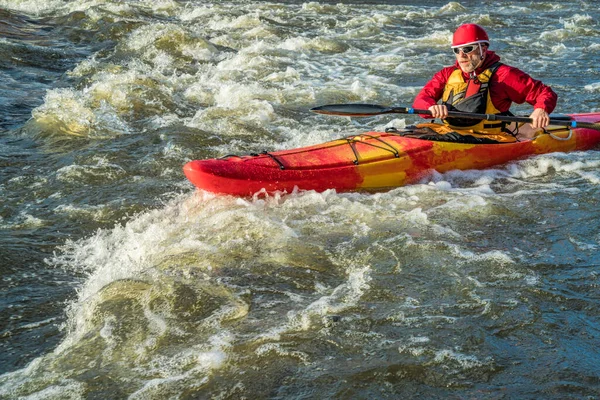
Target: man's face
[[469, 56]]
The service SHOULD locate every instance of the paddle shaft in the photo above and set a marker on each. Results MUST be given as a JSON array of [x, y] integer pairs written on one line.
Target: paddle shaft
[[368, 110], [506, 118]]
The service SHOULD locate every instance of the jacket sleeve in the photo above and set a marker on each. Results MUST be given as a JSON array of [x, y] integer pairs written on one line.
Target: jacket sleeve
[[521, 88], [432, 92]]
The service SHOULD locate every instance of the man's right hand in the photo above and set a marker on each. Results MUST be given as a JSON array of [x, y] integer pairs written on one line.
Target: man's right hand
[[439, 111]]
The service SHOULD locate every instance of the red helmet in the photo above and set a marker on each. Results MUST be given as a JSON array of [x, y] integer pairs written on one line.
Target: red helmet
[[469, 34]]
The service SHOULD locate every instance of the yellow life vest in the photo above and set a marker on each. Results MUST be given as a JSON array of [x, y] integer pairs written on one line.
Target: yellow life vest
[[471, 96]]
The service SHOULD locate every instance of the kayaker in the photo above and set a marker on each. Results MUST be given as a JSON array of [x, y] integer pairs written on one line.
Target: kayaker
[[479, 83]]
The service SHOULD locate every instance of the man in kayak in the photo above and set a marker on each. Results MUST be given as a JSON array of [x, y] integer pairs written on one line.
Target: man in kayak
[[479, 83]]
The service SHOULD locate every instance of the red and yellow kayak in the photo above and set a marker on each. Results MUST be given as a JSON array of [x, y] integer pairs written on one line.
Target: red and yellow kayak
[[372, 161]]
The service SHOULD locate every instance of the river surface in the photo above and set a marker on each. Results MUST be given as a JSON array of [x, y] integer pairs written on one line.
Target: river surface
[[120, 280]]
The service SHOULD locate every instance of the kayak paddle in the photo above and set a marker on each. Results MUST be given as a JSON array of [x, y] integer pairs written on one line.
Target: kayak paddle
[[369, 110]]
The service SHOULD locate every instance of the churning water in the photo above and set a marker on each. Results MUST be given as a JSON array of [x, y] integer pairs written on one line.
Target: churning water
[[120, 280]]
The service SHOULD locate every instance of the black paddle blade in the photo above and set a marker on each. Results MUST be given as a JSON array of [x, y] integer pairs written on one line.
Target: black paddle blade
[[352, 110]]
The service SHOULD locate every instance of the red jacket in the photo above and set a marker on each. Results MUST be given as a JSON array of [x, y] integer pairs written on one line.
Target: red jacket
[[508, 84]]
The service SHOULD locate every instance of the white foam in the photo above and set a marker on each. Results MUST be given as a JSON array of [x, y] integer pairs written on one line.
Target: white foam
[[196, 13], [101, 169], [577, 21], [277, 348], [401, 319], [320, 8], [341, 298], [189, 365], [24, 220], [32, 7], [419, 339], [65, 109], [592, 87], [37, 324], [532, 280], [496, 256], [465, 361], [65, 389], [246, 21]]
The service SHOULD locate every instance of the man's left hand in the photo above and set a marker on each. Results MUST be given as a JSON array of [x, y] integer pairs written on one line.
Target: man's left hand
[[540, 118]]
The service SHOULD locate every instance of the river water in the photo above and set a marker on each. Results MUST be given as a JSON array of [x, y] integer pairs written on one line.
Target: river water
[[120, 280]]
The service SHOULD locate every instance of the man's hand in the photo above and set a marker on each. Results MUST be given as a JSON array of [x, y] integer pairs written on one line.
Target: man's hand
[[540, 118], [439, 111]]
